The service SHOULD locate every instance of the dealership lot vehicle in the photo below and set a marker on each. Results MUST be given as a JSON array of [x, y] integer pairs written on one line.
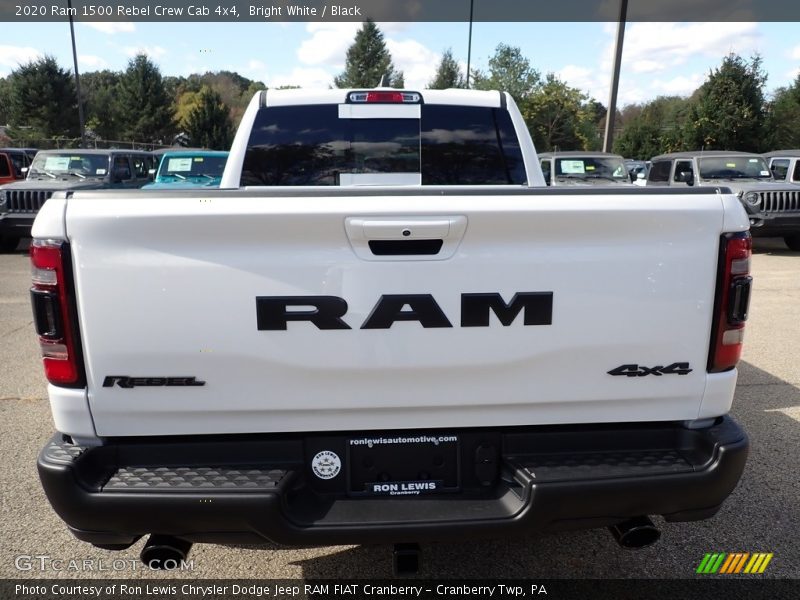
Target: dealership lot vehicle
[[186, 169], [583, 168], [785, 165], [21, 158], [772, 207], [66, 171], [395, 337], [9, 171]]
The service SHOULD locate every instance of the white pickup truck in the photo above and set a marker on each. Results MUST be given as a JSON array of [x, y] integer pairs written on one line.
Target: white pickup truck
[[384, 328]]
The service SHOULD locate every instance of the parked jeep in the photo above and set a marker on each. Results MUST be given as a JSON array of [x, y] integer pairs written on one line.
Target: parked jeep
[[182, 169], [583, 168], [773, 207], [66, 170], [785, 165]]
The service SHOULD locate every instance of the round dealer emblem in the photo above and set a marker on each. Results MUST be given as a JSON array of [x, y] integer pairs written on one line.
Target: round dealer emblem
[[326, 464]]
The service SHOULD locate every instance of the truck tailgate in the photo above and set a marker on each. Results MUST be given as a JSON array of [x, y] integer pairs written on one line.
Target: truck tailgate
[[167, 287]]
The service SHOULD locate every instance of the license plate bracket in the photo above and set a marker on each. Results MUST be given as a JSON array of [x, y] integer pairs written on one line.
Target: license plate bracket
[[403, 465]]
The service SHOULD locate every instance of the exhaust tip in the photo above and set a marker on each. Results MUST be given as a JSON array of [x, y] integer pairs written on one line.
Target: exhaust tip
[[164, 552], [635, 533]]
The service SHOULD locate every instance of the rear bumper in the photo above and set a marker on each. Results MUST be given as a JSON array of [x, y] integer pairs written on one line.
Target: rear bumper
[[251, 489]]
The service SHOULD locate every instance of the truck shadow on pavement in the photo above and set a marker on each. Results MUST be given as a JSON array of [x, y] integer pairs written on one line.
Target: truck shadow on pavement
[[760, 516]]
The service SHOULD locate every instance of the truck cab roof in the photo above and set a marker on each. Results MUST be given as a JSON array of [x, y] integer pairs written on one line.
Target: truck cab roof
[[296, 97]]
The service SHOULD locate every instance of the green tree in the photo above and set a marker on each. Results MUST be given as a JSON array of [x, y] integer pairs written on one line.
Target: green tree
[[783, 117], [174, 85], [448, 73], [510, 72], [640, 140], [653, 128], [5, 100], [728, 111], [368, 60], [235, 90], [184, 104], [145, 111], [560, 117], [43, 99], [99, 90], [209, 123]]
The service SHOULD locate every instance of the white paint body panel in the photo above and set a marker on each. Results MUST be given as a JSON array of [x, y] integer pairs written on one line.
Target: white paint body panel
[[50, 222], [166, 286], [70, 410]]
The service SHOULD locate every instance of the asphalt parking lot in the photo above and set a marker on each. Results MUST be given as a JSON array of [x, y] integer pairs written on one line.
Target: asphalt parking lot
[[762, 515]]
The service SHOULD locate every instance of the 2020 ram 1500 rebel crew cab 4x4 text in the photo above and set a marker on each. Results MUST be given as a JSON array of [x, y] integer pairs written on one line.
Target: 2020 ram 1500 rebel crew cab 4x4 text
[[385, 328]]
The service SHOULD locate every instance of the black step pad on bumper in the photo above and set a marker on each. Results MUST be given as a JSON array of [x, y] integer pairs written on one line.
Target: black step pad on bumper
[[145, 479], [249, 489], [602, 465]]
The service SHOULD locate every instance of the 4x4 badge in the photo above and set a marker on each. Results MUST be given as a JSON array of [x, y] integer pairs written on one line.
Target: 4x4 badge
[[678, 368]]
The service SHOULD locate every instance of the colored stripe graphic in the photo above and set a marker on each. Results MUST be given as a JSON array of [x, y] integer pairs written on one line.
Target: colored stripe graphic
[[734, 563], [726, 566], [764, 564], [711, 563], [703, 564], [715, 567], [740, 564], [750, 568]]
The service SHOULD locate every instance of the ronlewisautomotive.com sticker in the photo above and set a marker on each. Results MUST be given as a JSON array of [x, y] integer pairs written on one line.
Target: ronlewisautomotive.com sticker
[[412, 439]]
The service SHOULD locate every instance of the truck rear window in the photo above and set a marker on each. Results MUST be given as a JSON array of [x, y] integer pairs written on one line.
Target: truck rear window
[[447, 145]]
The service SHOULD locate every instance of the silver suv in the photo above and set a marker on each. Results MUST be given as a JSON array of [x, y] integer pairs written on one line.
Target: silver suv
[[580, 167], [785, 165], [773, 207]]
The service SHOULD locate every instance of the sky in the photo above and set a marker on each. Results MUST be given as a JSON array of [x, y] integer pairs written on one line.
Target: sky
[[658, 59]]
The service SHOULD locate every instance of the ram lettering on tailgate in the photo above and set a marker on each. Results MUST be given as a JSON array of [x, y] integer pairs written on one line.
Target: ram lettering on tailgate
[[326, 312]]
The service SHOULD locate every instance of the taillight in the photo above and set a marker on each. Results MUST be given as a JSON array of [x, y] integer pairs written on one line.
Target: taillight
[[53, 313], [732, 301]]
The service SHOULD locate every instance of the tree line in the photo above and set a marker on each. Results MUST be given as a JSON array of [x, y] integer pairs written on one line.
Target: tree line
[[729, 111], [39, 101]]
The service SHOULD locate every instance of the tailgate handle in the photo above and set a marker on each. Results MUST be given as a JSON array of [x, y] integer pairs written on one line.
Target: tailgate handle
[[405, 237], [405, 247]]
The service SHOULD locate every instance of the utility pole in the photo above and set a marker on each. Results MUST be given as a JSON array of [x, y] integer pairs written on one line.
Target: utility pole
[[77, 76], [469, 41], [608, 139]]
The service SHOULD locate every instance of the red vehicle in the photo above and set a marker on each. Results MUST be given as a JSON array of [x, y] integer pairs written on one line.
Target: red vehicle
[[8, 173], [14, 163]]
